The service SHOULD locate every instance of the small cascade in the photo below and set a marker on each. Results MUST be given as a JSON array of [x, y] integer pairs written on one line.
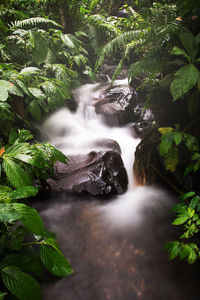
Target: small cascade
[[116, 248]]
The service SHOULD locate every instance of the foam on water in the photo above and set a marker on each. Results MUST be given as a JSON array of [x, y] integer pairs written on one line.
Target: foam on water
[[76, 133]]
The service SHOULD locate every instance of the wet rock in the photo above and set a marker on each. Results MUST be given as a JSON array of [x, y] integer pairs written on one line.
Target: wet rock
[[118, 105], [107, 144], [144, 122], [97, 173]]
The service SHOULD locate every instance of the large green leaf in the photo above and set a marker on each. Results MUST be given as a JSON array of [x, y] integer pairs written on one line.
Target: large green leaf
[[54, 261], [15, 90], [37, 93], [188, 41], [16, 175], [30, 218], [20, 284], [23, 192], [3, 93], [40, 49], [8, 214], [178, 51], [185, 79], [35, 110], [4, 84]]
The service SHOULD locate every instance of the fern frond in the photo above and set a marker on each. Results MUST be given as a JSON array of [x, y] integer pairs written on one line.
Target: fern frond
[[129, 47], [119, 43], [149, 66], [37, 21], [93, 38], [100, 22]]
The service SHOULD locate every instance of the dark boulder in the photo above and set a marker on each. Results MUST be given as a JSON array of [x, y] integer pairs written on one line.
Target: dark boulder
[[107, 144], [97, 173], [117, 106], [144, 122]]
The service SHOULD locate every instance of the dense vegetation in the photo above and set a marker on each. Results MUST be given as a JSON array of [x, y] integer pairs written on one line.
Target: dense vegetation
[[44, 52]]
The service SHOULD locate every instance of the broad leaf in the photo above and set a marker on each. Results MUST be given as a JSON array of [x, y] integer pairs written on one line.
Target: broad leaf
[[171, 159], [15, 90], [166, 142], [40, 49], [29, 71], [8, 214], [185, 79], [23, 192], [180, 220], [3, 94], [20, 284], [188, 41], [30, 218], [178, 51], [16, 175], [4, 84], [54, 261], [37, 93], [177, 138], [35, 110]]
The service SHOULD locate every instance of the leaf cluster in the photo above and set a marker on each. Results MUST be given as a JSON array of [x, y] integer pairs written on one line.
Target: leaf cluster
[[21, 263], [188, 217]]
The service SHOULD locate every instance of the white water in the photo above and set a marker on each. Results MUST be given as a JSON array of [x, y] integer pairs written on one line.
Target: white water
[[76, 133]]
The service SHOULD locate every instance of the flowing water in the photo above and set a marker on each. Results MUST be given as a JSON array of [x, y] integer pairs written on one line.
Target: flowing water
[[116, 248]]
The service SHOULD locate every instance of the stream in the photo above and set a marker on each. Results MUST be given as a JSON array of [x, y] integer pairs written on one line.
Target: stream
[[115, 246]]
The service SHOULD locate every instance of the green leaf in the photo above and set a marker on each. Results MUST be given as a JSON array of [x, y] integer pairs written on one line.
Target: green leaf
[[15, 90], [187, 195], [53, 243], [188, 42], [185, 79], [8, 214], [173, 248], [177, 138], [3, 94], [23, 86], [37, 93], [178, 51], [2, 295], [191, 143], [194, 202], [35, 110], [192, 257], [185, 252], [171, 159], [12, 136], [40, 49], [166, 142], [29, 71], [16, 175], [23, 192], [4, 84], [30, 218], [55, 262], [180, 220], [24, 135], [20, 284]]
